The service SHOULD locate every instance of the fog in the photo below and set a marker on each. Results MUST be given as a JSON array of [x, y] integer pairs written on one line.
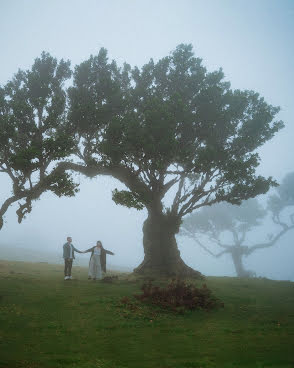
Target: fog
[[253, 43]]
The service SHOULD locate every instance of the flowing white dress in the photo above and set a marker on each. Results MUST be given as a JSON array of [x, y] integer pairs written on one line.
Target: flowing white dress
[[95, 271]]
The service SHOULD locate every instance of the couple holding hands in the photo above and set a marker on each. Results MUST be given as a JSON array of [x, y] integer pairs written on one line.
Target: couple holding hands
[[97, 261]]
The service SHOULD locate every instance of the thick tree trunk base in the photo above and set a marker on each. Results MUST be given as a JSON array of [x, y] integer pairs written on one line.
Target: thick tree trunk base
[[247, 274], [176, 270], [241, 272], [161, 254]]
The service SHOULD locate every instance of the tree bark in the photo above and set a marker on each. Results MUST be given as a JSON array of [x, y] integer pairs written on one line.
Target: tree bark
[[237, 255], [161, 253]]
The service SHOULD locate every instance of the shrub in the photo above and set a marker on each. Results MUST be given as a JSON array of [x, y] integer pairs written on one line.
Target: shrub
[[179, 296]]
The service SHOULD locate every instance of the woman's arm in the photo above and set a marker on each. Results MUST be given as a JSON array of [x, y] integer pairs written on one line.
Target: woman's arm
[[109, 252], [88, 250]]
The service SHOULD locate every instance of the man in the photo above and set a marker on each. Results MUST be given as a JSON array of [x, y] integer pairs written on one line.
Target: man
[[69, 256]]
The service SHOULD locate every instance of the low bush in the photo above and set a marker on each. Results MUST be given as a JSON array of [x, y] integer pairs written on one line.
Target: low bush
[[179, 296]]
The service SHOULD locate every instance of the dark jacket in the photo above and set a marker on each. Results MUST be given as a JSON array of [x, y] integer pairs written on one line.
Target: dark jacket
[[66, 250], [102, 256]]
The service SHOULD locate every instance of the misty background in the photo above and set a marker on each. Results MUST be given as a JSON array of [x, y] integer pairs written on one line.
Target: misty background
[[251, 40]]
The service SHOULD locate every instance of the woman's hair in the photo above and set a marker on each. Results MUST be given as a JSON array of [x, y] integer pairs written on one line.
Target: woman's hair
[[99, 243]]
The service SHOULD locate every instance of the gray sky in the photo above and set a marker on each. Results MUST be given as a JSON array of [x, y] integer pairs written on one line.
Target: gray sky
[[251, 40]]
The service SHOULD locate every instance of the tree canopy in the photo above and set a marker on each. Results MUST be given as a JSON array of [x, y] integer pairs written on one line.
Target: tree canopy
[[171, 123], [33, 134]]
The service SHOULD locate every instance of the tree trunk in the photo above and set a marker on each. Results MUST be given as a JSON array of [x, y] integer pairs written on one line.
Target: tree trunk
[[237, 255], [162, 256]]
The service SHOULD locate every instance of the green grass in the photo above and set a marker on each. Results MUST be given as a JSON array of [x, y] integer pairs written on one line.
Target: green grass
[[48, 322]]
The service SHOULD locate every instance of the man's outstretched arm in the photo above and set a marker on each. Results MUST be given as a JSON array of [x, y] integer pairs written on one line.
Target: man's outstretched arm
[[76, 250]]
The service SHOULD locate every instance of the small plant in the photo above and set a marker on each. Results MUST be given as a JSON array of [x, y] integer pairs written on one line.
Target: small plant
[[179, 296], [109, 279]]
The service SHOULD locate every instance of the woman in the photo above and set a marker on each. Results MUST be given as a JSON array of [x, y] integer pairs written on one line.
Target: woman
[[97, 261]]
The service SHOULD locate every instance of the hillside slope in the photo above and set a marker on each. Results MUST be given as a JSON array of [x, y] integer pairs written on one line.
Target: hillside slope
[[48, 322]]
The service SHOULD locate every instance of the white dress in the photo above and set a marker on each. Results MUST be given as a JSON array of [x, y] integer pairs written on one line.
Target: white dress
[[95, 271]]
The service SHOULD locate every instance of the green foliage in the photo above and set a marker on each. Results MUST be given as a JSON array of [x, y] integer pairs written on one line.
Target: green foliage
[[25, 159], [34, 133], [62, 184], [128, 199], [35, 102], [53, 148], [172, 117], [59, 146]]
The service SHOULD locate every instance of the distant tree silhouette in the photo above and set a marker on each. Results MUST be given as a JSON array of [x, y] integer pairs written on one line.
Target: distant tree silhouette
[[281, 200], [215, 221]]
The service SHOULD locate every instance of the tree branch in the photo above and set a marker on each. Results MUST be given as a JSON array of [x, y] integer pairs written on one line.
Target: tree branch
[[271, 243], [198, 193], [209, 251], [176, 202], [169, 184], [125, 175], [5, 207], [276, 220], [193, 236]]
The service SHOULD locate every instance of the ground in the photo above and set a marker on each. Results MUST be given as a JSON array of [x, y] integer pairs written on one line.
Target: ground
[[48, 322]]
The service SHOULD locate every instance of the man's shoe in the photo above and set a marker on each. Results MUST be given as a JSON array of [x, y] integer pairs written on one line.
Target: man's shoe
[[66, 278], [70, 277]]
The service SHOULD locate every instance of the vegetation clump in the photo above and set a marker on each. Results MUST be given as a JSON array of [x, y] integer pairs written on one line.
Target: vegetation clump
[[179, 296], [109, 279]]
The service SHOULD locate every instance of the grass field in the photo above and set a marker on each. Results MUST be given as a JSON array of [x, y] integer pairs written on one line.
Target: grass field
[[48, 322]]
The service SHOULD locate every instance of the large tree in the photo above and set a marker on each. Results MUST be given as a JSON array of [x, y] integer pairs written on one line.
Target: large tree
[[170, 130], [226, 229], [33, 135]]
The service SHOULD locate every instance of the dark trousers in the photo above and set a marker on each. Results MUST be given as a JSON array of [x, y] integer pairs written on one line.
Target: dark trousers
[[67, 266]]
